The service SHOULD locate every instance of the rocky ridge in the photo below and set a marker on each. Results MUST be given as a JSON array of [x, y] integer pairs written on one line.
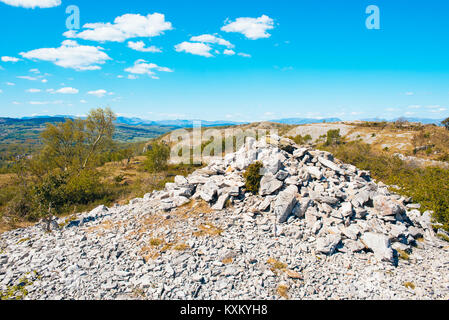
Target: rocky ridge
[[318, 229]]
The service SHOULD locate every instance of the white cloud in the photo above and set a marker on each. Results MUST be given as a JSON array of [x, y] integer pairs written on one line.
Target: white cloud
[[38, 102], [98, 93], [245, 55], [1, 91], [67, 90], [414, 107], [33, 90], [252, 28], [9, 59], [71, 55], [35, 71], [208, 38], [44, 80], [32, 3], [10, 84], [140, 46], [46, 102], [409, 93], [196, 48], [124, 27], [229, 52], [132, 77], [83, 101], [143, 67], [436, 109], [27, 78]]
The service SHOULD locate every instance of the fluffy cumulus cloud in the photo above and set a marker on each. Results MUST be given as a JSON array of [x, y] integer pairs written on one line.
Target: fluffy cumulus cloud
[[229, 52], [196, 48], [71, 55], [142, 67], [66, 90], [123, 28], [208, 38], [245, 55], [9, 59], [252, 28], [33, 3], [140, 46], [98, 93]]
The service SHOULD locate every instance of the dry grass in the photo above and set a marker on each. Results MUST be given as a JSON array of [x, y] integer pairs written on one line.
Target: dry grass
[[208, 230], [403, 255], [409, 285], [294, 275], [276, 265], [282, 290], [228, 260], [104, 227]]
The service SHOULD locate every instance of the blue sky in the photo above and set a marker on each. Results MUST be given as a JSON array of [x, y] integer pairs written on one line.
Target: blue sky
[[284, 59]]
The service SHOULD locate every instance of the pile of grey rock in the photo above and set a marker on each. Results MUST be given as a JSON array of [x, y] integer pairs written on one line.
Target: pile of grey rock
[[336, 233], [344, 209]]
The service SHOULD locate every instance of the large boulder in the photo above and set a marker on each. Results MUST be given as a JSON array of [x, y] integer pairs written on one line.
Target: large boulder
[[328, 244], [331, 165], [315, 172], [379, 244], [386, 206], [285, 202], [208, 191], [269, 184]]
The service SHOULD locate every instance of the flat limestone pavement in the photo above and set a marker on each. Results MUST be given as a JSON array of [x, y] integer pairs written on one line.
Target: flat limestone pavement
[[320, 229]]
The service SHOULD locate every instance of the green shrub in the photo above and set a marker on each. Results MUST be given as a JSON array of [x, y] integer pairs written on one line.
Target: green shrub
[[299, 139], [157, 157], [252, 177], [333, 137]]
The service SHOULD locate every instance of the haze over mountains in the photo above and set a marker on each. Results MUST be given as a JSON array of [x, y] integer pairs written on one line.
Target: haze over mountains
[[182, 123]]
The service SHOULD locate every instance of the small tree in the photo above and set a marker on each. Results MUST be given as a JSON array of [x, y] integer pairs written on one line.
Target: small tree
[[333, 137], [157, 157], [445, 123], [74, 144]]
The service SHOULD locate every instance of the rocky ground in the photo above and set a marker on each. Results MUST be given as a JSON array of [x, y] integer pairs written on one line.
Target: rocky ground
[[318, 229]]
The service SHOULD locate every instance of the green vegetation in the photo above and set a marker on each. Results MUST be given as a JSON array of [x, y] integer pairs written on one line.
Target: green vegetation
[[157, 157], [333, 138], [62, 173], [78, 166], [429, 186], [252, 177], [445, 123], [300, 140], [17, 292], [22, 137]]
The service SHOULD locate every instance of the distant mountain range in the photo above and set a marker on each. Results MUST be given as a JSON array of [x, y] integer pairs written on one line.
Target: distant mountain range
[[189, 123]]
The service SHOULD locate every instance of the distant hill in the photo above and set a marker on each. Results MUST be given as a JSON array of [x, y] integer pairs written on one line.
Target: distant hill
[[421, 120], [299, 121], [175, 123]]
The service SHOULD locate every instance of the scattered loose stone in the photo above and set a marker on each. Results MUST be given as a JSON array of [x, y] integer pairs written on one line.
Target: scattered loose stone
[[319, 227]]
